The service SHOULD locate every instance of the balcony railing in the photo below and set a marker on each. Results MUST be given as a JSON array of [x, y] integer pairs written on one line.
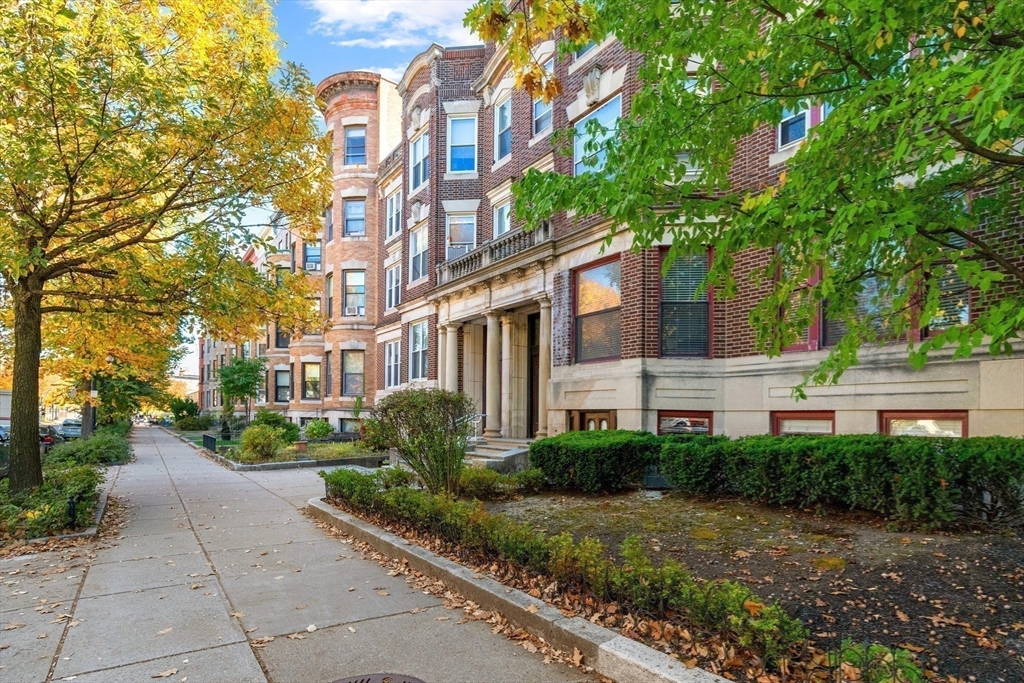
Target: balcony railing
[[503, 247]]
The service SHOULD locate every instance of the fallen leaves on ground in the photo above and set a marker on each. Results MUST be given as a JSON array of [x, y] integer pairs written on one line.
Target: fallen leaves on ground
[[261, 642], [165, 674]]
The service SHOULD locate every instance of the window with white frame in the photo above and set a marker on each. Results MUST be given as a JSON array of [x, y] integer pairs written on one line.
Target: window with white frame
[[589, 149], [352, 369], [461, 234], [418, 352], [793, 127], [502, 218], [420, 155], [355, 145], [503, 129], [392, 364], [584, 50], [418, 254], [542, 109], [329, 223], [354, 285], [462, 144], [355, 217], [393, 285], [394, 213]]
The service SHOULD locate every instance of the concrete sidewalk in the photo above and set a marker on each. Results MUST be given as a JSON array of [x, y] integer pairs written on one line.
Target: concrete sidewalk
[[210, 561]]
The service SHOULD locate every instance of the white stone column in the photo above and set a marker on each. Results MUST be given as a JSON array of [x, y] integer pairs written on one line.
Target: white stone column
[[506, 373], [493, 403], [451, 364], [442, 355], [544, 369]]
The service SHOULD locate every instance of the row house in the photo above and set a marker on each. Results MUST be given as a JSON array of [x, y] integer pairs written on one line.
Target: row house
[[430, 280], [554, 329]]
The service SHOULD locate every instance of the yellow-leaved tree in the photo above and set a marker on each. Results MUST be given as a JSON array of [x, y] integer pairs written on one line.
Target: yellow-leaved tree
[[134, 137]]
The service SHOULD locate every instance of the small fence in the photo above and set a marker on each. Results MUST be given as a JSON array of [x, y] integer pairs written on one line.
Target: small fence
[[210, 442]]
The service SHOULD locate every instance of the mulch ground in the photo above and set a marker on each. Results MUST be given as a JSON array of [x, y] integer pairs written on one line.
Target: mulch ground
[[954, 599]]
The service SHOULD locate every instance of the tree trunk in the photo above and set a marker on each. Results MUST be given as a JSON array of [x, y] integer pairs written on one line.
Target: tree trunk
[[87, 419], [26, 465]]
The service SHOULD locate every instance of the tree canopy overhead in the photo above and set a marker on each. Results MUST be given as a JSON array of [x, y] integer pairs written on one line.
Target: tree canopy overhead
[[908, 189], [133, 138]]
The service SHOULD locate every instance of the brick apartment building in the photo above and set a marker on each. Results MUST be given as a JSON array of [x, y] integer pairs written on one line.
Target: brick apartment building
[[552, 330]]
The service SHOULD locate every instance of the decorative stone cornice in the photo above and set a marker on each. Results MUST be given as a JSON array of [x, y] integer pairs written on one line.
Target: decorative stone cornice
[[346, 80]]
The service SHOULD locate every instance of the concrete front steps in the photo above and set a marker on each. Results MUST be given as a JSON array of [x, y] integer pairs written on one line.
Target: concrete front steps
[[503, 455]]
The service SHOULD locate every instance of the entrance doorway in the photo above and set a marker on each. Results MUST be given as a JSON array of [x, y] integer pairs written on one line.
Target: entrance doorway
[[533, 373]]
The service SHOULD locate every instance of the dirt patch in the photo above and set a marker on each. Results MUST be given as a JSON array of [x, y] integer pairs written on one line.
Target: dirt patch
[[958, 599]]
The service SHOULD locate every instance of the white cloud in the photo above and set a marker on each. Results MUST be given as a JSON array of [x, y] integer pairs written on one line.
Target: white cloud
[[393, 74], [386, 24]]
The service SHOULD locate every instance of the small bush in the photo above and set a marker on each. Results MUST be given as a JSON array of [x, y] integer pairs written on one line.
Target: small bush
[[482, 483], [183, 407], [428, 429], [695, 464], [394, 477], [104, 447], [260, 443], [119, 428], [318, 429], [43, 511], [529, 481], [198, 423], [290, 432], [638, 583], [595, 461]]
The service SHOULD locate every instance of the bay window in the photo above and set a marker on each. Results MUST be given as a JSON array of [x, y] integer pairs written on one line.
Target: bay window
[[354, 283], [282, 386], [461, 235], [328, 375], [685, 308], [355, 217], [312, 256], [352, 368], [598, 297], [589, 148], [462, 145], [355, 145], [310, 380]]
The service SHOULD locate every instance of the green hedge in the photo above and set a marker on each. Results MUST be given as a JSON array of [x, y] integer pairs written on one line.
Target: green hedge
[[106, 446], [43, 511], [668, 589], [595, 461], [913, 479], [197, 423]]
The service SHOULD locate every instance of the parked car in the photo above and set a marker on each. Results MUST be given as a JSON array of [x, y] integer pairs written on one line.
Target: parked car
[[49, 437], [5, 434], [70, 428]]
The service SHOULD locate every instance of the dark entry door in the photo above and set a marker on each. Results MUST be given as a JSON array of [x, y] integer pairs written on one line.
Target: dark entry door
[[533, 389]]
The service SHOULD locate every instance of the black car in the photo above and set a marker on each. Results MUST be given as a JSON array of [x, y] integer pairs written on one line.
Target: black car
[[49, 437]]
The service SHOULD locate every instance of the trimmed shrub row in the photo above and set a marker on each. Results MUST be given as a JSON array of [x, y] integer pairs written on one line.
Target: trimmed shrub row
[[193, 423], [106, 446], [913, 479], [484, 484], [44, 511], [668, 589]]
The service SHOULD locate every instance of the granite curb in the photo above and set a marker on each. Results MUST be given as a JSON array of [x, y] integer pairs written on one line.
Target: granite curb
[[609, 653], [372, 461]]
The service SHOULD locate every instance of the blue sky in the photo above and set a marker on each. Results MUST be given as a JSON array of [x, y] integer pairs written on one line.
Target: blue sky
[[328, 36]]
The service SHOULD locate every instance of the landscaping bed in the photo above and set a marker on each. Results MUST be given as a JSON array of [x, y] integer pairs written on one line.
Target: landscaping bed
[[314, 451], [954, 599]]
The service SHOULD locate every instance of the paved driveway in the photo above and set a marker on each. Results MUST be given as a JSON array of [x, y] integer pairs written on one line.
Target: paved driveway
[[210, 561]]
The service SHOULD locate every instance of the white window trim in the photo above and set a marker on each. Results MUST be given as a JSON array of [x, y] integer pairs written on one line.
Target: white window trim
[[506, 100], [549, 67], [497, 208], [397, 197], [412, 347], [476, 146], [426, 250], [392, 352], [390, 305], [412, 163], [583, 120], [796, 143], [447, 230]]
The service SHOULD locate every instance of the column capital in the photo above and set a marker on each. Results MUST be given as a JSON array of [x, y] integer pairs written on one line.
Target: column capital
[[453, 327], [506, 319], [544, 302], [494, 314]]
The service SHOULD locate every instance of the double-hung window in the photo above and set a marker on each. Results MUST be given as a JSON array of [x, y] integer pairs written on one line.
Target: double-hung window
[[393, 285], [328, 375], [312, 253], [282, 386], [584, 50], [418, 350], [355, 217], [352, 372], [590, 148], [329, 295], [502, 218], [392, 364], [462, 145], [461, 234], [394, 214], [355, 145], [685, 307], [420, 148], [793, 127], [310, 380], [954, 295], [329, 223], [282, 338], [598, 315], [503, 130], [354, 282], [542, 109], [418, 254]]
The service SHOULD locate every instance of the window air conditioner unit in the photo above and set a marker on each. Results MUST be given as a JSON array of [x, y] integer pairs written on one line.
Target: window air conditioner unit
[[312, 266], [354, 310]]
